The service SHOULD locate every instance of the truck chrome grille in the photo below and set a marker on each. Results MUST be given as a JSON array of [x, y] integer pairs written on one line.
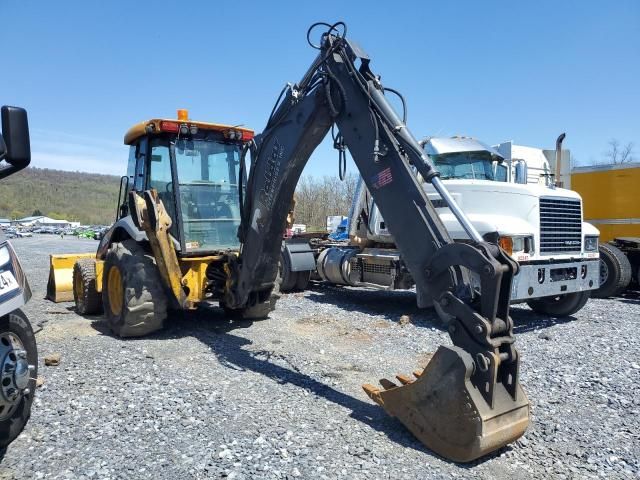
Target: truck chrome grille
[[560, 225]]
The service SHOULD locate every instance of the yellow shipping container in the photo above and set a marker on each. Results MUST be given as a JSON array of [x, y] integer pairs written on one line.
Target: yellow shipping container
[[611, 198]]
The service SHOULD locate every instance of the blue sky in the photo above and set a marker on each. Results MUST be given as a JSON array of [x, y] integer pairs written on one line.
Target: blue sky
[[522, 71]]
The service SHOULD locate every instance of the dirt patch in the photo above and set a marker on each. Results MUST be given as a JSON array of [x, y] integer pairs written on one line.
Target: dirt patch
[[69, 328], [357, 334], [382, 324], [312, 325]]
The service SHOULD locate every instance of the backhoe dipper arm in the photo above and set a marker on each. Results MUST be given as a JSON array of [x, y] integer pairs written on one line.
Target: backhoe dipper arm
[[335, 91]]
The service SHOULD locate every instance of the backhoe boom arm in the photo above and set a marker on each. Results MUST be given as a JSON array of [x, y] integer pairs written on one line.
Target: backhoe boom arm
[[336, 92]]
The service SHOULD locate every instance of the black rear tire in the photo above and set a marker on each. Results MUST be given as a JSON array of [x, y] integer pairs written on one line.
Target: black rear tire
[[615, 272], [139, 307], [560, 305], [88, 299], [18, 324], [287, 277], [302, 280]]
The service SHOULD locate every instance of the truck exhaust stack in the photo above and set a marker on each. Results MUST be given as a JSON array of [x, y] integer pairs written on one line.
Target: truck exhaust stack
[[559, 141]]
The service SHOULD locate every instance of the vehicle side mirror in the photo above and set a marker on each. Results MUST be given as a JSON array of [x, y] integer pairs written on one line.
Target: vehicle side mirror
[[15, 133], [521, 172], [500, 173]]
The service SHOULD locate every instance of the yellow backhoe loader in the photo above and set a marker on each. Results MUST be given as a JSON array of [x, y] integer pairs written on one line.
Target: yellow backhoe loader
[[195, 226]]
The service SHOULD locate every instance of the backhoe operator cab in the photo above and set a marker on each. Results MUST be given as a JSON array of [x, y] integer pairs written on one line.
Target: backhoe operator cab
[[194, 169]]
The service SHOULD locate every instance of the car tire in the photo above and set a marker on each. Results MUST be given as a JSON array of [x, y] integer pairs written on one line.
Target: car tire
[[615, 272], [13, 421]]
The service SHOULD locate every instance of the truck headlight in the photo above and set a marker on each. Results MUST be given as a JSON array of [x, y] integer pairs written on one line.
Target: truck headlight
[[516, 244], [591, 243]]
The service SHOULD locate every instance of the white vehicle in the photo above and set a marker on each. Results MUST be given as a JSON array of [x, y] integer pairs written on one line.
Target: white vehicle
[[539, 225]]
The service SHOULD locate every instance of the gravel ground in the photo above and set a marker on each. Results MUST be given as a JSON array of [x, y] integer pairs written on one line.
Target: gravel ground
[[207, 398]]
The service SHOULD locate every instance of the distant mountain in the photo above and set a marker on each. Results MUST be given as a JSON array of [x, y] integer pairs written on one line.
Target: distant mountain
[[89, 198]]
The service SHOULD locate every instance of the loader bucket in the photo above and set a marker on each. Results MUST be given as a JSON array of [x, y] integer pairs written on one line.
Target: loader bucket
[[447, 413], [60, 284]]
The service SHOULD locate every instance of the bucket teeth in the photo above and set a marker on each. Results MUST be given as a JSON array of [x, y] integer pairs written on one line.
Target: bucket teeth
[[370, 390], [403, 379], [444, 410], [387, 384]]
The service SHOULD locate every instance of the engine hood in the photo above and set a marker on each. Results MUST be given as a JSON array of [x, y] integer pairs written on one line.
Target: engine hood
[[507, 208], [503, 188]]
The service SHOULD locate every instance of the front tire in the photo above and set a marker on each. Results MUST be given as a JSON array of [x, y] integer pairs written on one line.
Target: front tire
[[560, 305], [133, 296], [18, 374], [615, 272], [88, 299]]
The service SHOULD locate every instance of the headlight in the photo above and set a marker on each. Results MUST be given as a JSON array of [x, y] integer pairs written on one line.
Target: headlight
[[591, 244], [516, 244], [5, 256]]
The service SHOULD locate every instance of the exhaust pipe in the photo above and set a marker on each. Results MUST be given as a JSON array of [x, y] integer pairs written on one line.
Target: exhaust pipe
[[559, 141]]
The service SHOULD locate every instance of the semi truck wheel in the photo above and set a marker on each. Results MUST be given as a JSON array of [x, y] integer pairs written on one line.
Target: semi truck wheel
[[18, 370], [88, 299], [560, 305], [302, 280], [287, 277], [133, 297], [615, 272]]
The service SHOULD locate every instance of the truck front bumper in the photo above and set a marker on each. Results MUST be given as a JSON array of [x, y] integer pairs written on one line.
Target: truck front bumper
[[547, 279]]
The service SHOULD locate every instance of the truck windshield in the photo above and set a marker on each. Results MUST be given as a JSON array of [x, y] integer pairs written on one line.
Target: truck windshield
[[208, 185], [469, 165]]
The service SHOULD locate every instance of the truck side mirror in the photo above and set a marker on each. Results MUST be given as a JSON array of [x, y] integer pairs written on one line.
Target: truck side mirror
[[500, 173], [521, 172], [15, 133]]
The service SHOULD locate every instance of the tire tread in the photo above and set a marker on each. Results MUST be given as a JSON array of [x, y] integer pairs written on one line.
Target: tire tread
[[622, 274]]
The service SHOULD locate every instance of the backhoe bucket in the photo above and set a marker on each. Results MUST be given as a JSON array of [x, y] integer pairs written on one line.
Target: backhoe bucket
[[447, 413], [60, 284]]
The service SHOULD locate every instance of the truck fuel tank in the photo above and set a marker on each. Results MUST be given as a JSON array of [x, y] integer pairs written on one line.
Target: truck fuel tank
[[334, 265]]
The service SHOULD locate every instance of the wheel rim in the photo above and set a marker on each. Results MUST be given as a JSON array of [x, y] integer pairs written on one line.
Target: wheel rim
[[604, 272], [115, 290], [15, 374]]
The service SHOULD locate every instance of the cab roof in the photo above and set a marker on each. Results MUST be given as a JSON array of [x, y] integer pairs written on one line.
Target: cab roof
[[160, 125], [443, 145]]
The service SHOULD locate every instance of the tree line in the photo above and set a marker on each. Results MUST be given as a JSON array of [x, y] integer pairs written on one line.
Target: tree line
[[89, 198], [318, 197]]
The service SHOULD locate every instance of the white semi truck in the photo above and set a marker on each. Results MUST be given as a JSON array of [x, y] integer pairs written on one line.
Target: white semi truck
[[538, 224]]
